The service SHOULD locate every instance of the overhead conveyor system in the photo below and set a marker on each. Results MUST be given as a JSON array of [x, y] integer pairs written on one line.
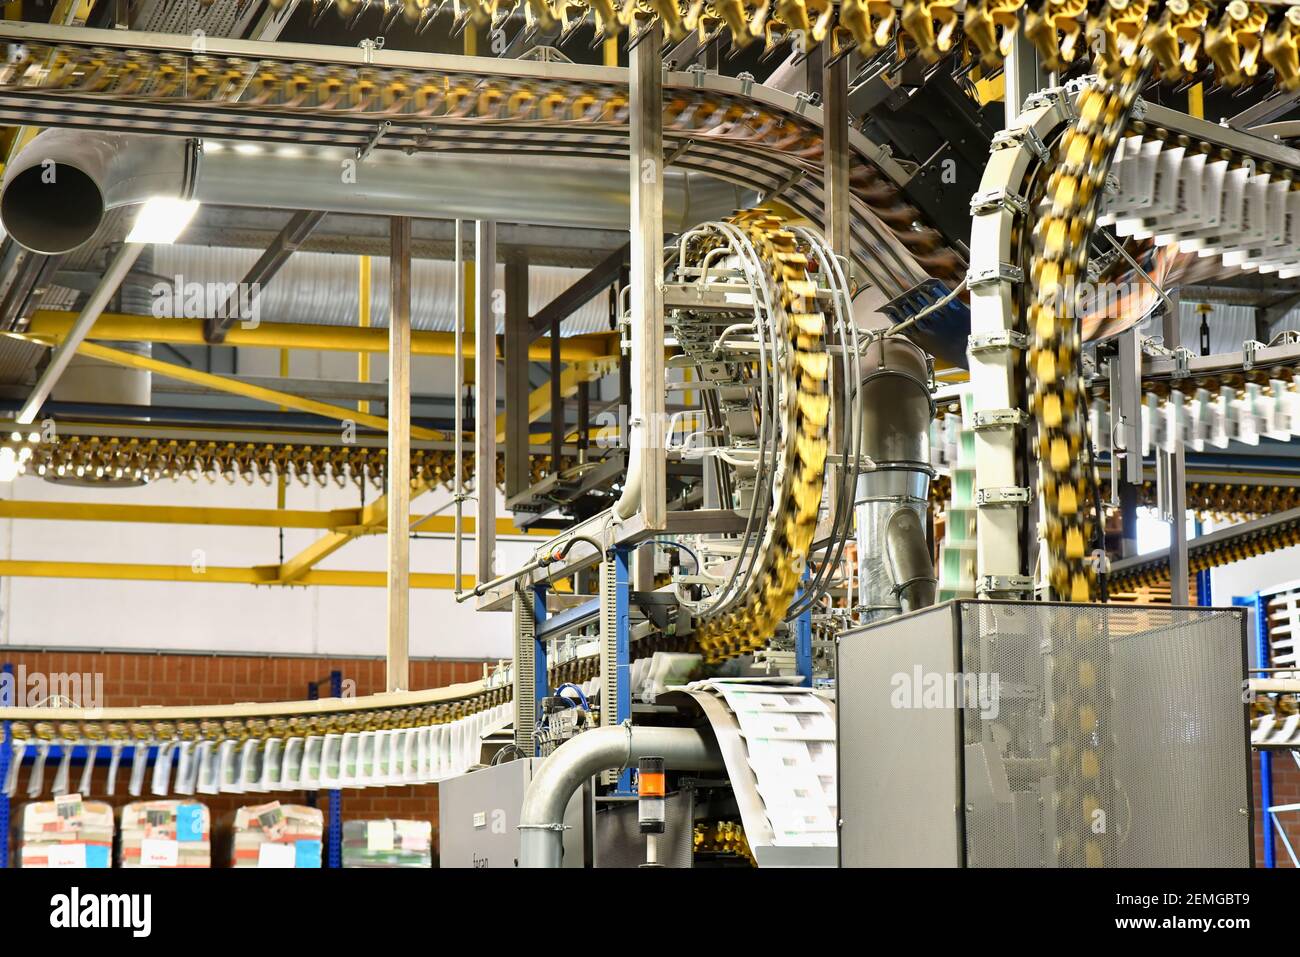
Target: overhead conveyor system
[[759, 438]]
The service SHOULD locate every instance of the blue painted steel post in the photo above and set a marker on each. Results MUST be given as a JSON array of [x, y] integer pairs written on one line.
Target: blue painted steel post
[[6, 751], [1204, 598], [541, 678], [1265, 758], [312, 798], [335, 796], [803, 641], [623, 669]]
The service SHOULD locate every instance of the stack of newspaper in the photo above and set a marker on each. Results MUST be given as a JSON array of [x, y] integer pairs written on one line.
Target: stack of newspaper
[[66, 832], [276, 835], [387, 844], [165, 834]]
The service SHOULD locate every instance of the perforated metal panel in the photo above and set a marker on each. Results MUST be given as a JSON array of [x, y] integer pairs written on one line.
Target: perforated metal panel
[[899, 767], [525, 672], [1080, 735], [1104, 736]]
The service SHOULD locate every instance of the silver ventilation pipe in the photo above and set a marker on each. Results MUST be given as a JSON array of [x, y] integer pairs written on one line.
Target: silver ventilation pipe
[[56, 191], [895, 571]]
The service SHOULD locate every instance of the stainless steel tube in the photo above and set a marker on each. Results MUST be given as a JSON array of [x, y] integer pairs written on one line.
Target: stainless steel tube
[[895, 572], [541, 822]]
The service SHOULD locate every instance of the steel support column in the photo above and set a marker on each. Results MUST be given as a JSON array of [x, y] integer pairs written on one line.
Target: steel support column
[[1173, 472], [6, 755], [835, 162], [399, 457], [1262, 660], [458, 360], [485, 392], [334, 830], [646, 257], [517, 387], [1023, 75]]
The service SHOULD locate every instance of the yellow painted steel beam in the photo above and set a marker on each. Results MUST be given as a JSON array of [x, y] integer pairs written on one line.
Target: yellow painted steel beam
[[335, 519], [216, 575], [372, 518], [222, 384], [51, 326], [993, 90], [539, 400]]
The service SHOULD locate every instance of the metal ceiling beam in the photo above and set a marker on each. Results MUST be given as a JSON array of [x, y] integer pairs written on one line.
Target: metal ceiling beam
[[69, 345], [600, 278], [295, 232], [250, 227], [539, 399], [1266, 110], [54, 325]]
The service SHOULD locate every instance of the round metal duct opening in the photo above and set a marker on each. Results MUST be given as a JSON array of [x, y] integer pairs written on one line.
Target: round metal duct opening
[[51, 208]]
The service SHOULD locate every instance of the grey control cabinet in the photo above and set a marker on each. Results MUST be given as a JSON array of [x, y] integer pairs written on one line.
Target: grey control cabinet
[[1042, 734]]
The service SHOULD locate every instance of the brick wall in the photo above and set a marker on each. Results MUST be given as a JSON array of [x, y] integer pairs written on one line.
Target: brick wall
[[1286, 790], [133, 679]]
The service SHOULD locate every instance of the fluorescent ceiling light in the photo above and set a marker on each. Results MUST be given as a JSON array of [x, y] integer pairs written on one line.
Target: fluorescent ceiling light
[[162, 220]]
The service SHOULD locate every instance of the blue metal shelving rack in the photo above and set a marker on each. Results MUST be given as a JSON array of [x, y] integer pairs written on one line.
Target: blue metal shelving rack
[[334, 820], [333, 798], [5, 752]]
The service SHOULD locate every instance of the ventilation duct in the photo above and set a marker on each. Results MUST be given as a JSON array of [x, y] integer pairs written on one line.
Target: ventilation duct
[[57, 190], [895, 570]]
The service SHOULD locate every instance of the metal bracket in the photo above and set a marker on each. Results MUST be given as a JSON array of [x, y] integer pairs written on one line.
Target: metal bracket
[[746, 83], [999, 419], [1012, 496], [1002, 272], [368, 48], [1052, 96], [997, 340], [1025, 136], [1249, 349], [370, 144], [993, 199], [995, 584], [1139, 109], [1182, 362]]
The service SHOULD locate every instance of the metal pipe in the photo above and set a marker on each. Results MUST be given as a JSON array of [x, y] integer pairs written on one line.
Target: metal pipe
[[458, 481], [485, 396], [65, 350], [895, 571], [644, 487], [96, 172], [909, 559], [541, 821], [538, 561]]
